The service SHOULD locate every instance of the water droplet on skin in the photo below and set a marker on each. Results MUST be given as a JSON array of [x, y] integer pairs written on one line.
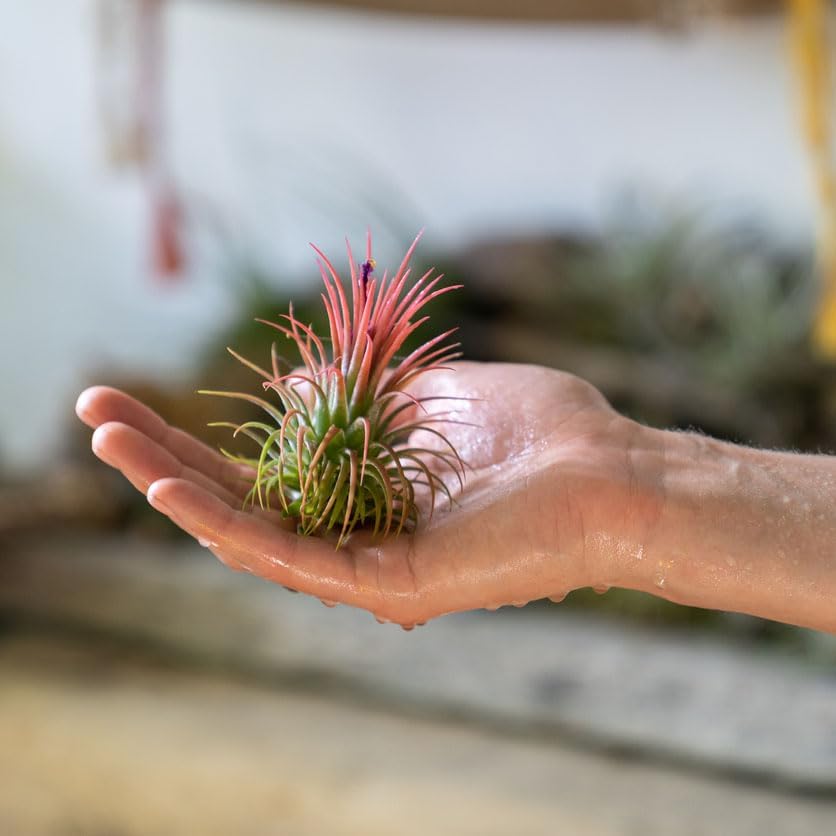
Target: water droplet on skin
[[380, 620], [558, 599], [492, 607], [640, 553], [205, 543], [327, 603], [600, 590], [659, 580], [520, 604], [407, 627]]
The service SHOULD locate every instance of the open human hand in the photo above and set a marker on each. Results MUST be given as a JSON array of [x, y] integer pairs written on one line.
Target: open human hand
[[550, 491]]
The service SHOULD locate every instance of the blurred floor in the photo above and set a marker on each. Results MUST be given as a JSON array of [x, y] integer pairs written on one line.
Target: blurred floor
[[99, 740], [756, 712]]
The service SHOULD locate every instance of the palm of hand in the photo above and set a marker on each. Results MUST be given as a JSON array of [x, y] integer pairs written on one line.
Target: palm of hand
[[547, 461]]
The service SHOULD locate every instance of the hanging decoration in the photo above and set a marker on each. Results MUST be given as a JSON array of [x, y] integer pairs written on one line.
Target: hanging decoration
[[811, 39], [132, 111]]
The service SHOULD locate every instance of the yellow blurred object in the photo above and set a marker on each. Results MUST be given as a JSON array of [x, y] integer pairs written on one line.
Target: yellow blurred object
[[811, 37]]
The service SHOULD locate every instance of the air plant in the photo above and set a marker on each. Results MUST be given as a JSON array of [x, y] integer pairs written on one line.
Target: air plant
[[336, 450]]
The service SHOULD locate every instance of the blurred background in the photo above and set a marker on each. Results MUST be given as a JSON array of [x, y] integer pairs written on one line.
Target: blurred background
[[637, 191]]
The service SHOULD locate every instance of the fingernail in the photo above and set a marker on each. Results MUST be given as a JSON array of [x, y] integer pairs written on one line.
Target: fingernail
[[81, 408], [155, 502], [96, 444]]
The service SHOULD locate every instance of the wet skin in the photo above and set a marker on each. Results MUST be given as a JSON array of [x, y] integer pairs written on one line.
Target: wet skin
[[561, 492]]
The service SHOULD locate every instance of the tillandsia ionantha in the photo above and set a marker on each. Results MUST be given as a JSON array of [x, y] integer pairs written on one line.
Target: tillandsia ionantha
[[336, 451]]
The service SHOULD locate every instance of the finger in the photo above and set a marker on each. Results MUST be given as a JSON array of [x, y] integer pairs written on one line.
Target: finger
[[143, 461], [102, 404], [308, 564]]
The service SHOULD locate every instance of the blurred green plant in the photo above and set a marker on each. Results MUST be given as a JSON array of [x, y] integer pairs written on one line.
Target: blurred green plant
[[720, 299]]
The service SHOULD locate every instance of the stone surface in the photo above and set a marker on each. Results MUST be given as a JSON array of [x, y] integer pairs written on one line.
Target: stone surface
[[544, 673]]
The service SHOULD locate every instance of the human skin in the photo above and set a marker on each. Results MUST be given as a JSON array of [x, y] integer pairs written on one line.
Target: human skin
[[561, 492]]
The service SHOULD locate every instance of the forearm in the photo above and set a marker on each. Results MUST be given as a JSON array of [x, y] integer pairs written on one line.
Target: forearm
[[743, 530]]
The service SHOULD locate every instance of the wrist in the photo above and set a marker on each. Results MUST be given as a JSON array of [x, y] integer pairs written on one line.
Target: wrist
[[678, 487], [626, 512], [689, 550]]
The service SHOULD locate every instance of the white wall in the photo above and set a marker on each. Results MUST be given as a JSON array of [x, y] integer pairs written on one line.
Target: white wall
[[274, 111]]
